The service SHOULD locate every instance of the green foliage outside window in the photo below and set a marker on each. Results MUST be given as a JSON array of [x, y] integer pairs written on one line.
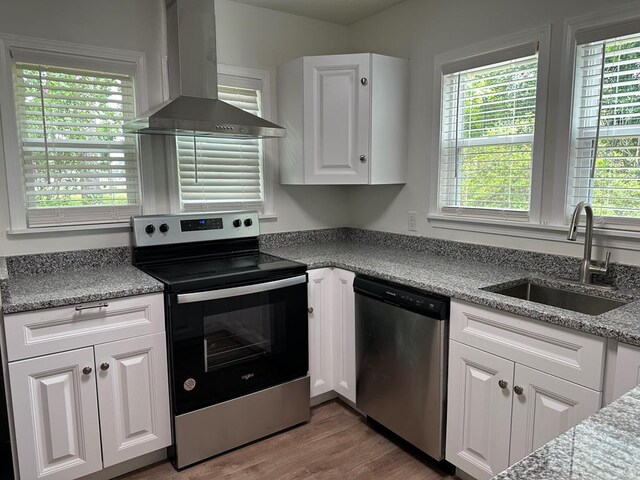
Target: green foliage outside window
[[86, 160]]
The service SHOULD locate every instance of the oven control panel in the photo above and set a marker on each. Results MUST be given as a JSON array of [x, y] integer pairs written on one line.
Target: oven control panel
[[156, 230], [201, 224]]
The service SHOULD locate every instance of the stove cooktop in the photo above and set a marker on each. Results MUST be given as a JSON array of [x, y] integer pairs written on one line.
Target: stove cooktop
[[205, 251], [220, 272]]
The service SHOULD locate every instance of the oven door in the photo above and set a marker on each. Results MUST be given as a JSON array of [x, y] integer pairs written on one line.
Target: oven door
[[230, 342]]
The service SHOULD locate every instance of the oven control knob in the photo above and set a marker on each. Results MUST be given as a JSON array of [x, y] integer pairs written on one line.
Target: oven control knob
[[150, 229], [248, 222], [237, 223], [164, 228]]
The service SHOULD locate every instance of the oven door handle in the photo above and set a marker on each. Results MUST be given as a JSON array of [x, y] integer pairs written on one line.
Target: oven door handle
[[239, 291]]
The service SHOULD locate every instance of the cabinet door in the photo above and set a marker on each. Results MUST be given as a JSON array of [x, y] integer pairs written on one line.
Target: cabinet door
[[133, 390], [56, 415], [336, 119], [479, 411], [627, 373], [547, 407], [320, 332], [344, 334]]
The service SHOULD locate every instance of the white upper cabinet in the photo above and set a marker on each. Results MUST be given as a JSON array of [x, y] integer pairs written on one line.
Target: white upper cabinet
[[346, 118]]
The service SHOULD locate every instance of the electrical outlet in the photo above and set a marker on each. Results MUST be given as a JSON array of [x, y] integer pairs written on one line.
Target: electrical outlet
[[413, 222]]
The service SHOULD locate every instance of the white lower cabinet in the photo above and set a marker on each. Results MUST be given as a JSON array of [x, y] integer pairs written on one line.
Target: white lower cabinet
[[55, 408], [501, 406], [344, 334], [83, 410], [479, 411], [132, 393], [627, 370], [332, 351], [320, 331], [547, 407]]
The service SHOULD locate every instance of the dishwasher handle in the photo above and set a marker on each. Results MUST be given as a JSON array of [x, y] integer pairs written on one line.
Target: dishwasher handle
[[425, 303]]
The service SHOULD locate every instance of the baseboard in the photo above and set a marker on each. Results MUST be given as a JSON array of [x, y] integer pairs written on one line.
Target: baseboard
[[463, 475], [128, 466], [323, 397]]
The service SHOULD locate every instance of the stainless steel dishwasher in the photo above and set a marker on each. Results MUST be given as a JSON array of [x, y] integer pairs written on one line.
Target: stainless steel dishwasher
[[401, 361]]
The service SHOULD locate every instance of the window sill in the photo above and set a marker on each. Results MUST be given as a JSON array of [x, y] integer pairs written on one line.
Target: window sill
[[558, 233], [267, 217], [114, 227]]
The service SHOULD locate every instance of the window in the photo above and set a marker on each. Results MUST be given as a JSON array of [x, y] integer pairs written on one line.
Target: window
[[67, 160], [224, 173], [78, 167], [487, 131], [605, 144]]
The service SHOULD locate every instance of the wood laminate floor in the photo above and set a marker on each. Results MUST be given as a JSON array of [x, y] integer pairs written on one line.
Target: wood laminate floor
[[337, 444]]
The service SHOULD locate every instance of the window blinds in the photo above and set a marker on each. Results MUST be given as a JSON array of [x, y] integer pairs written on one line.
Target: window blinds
[[487, 130], [219, 173], [605, 150], [78, 167]]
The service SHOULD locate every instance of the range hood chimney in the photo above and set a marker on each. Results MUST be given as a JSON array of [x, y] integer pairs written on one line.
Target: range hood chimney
[[194, 108]]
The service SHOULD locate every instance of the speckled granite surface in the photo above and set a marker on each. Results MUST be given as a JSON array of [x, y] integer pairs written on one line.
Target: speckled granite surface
[[561, 266], [463, 279], [48, 280], [41, 263], [4, 278], [604, 446]]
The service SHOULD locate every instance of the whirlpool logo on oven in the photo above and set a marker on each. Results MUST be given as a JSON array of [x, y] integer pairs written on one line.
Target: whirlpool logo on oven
[[248, 376]]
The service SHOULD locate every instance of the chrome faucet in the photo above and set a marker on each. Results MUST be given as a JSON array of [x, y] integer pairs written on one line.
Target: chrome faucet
[[586, 268]]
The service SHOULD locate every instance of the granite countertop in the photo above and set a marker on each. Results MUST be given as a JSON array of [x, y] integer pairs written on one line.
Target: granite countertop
[[65, 287], [604, 446], [463, 279]]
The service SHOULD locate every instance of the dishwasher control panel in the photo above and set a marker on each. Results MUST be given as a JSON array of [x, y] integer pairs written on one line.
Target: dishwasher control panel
[[430, 304]]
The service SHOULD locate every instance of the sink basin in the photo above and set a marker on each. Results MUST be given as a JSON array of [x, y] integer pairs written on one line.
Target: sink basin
[[557, 297]]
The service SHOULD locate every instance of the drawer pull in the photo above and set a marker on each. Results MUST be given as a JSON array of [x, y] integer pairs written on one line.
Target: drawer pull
[[87, 307], [87, 370], [310, 309], [104, 367], [518, 390], [503, 384]]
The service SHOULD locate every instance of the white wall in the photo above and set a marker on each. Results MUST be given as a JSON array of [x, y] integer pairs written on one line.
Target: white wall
[[122, 24], [421, 29], [260, 38], [247, 36]]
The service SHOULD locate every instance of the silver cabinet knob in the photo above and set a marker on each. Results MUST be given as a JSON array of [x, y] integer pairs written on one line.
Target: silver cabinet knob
[[363, 158], [104, 366], [518, 390], [87, 370], [310, 309], [503, 384], [364, 81]]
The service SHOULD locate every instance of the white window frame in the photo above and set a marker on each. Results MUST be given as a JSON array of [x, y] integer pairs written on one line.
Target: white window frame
[[607, 24], [269, 146], [59, 54], [487, 53]]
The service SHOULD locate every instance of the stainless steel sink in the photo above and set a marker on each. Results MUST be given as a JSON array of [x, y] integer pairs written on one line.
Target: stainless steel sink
[[557, 297]]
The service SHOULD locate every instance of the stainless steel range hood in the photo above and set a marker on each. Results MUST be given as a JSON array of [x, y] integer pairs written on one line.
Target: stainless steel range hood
[[194, 108]]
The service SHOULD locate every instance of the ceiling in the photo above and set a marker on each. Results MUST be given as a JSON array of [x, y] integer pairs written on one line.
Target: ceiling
[[342, 12]]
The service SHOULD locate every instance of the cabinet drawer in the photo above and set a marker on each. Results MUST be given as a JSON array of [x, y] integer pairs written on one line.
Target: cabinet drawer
[[565, 353], [50, 330]]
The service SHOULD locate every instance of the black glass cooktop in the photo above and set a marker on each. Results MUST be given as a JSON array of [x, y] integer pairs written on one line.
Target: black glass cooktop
[[218, 272]]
